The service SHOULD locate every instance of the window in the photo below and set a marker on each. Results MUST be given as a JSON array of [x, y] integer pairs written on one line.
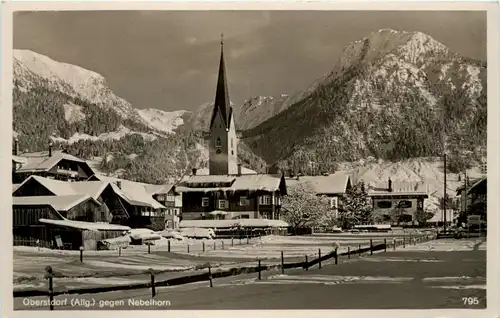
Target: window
[[170, 198], [405, 204], [333, 203], [161, 197], [204, 201], [218, 143], [244, 216], [384, 204], [265, 200], [223, 204], [243, 201]]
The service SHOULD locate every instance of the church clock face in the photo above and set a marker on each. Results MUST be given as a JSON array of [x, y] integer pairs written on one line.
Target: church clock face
[[218, 151]]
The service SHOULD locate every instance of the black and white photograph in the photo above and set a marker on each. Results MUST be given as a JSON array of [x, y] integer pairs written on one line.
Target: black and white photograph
[[248, 159]]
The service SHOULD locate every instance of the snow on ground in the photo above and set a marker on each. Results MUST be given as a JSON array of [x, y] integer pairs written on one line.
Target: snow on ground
[[448, 245], [73, 113], [29, 262], [161, 120]]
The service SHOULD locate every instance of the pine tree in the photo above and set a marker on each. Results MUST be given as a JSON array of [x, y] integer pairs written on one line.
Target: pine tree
[[355, 207]]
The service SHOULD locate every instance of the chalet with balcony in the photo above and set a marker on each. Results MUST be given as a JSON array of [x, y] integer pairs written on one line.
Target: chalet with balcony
[[54, 164]]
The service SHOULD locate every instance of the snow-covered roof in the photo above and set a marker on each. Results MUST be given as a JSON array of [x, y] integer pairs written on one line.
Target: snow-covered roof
[[133, 192], [40, 161], [206, 171], [265, 182], [15, 186], [398, 188], [335, 183], [93, 226], [62, 188], [59, 203], [19, 159], [153, 189], [232, 223]]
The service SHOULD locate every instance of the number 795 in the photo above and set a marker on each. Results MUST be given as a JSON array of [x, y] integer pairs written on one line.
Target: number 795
[[470, 301]]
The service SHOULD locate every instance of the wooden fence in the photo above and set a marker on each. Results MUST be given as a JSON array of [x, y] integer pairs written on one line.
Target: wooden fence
[[209, 276]]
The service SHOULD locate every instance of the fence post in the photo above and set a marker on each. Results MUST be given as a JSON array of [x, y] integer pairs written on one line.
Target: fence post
[[394, 243], [404, 242], [81, 254], [188, 248], [259, 269], [222, 244], [348, 252], [371, 247], [153, 289], [385, 245], [359, 250], [169, 245], [214, 245], [149, 248], [319, 258], [120, 251], [306, 266], [203, 246], [50, 275], [232, 241], [210, 275], [336, 255], [282, 263], [248, 240]]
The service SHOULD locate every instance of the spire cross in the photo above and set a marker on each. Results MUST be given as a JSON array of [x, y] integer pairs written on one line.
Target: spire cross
[[222, 39]]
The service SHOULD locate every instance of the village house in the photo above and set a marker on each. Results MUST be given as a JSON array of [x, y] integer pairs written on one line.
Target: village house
[[66, 221], [172, 201], [122, 202], [226, 192], [143, 209], [398, 200], [55, 164], [239, 196], [333, 186], [473, 198]]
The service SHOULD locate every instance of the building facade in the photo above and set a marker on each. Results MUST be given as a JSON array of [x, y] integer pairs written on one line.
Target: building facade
[[398, 203]]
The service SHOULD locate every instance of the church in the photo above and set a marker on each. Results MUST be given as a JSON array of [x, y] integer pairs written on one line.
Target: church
[[227, 192]]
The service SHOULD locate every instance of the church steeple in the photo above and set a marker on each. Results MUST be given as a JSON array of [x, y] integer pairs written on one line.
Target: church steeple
[[222, 105], [223, 143]]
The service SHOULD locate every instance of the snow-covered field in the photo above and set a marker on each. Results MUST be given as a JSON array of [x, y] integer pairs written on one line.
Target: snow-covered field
[[134, 261]]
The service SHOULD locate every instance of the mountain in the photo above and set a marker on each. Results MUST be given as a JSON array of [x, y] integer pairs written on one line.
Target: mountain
[[76, 109], [392, 95]]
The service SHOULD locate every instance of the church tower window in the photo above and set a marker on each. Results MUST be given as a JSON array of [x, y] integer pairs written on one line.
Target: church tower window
[[218, 144]]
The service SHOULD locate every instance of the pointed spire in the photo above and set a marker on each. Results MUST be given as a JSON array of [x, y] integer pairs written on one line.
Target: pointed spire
[[222, 103]]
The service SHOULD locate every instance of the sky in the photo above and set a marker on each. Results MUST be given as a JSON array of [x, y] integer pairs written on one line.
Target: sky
[[168, 60]]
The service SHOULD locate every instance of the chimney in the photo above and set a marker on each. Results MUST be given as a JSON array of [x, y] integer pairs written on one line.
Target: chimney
[[50, 148], [194, 171], [389, 188], [16, 147], [239, 169], [119, 184]]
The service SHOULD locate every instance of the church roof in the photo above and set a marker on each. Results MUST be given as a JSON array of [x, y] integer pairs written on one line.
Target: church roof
[[222, 103]]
